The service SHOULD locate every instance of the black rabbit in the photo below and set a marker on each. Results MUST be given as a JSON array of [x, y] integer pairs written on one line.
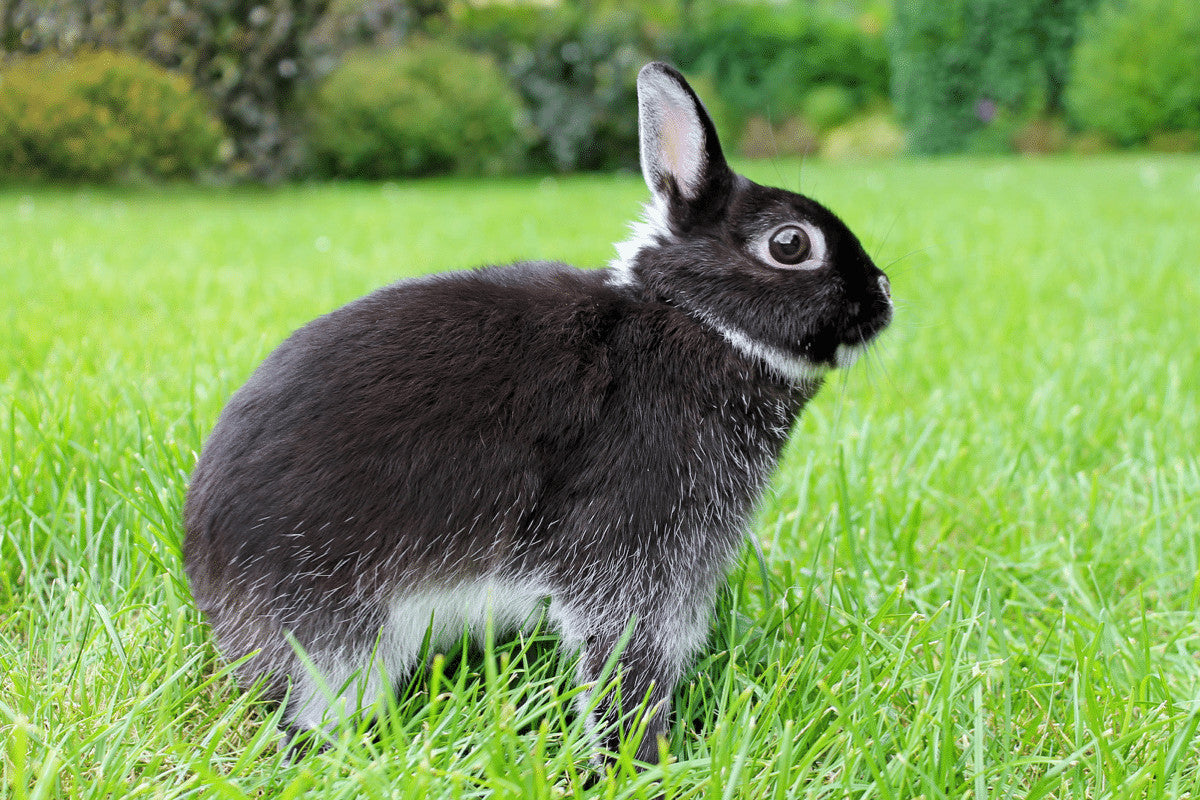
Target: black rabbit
[[474, 444]]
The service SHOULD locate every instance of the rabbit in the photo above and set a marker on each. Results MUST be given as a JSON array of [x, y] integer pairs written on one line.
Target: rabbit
[[480, 448]]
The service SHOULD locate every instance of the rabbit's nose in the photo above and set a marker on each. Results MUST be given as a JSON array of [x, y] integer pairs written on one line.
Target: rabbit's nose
[[885, 286]]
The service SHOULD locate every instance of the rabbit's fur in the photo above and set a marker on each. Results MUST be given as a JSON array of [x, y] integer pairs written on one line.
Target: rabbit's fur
[[474, 444]]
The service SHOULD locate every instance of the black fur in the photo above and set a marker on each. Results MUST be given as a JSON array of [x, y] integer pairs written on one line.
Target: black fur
[[594, 439]]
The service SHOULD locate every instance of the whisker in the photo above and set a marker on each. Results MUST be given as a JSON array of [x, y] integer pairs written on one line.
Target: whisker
[[909, 254], [906, 321], [774, 147], [872, 357], [835, 422], [918, 326], [886, 235]]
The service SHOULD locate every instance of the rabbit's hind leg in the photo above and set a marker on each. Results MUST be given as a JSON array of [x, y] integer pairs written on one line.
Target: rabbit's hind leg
[[330, 688]]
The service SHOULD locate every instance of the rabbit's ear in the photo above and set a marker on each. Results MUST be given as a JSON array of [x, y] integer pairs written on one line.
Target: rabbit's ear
[[681, 157]]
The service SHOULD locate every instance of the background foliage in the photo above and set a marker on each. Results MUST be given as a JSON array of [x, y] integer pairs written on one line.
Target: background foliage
[[426, 108], [965, 74], [254, 58], [1138, 70], [576, 71], [783, 60], [101, 116], [836, 78]]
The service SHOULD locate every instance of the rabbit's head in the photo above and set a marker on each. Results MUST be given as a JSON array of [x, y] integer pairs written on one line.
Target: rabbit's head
[[774, 272]]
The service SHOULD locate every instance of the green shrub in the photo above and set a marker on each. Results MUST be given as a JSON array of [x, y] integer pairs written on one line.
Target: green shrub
[[102, 116], [1041, 136], [828, 106], [1137, 70], [792, 137], [769, 58], [966, 75], [872, 135], [251, 58], [1174, 142], [576, 72], [424, 108]]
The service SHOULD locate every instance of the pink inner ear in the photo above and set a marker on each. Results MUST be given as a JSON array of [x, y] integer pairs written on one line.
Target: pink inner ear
[[682, 149]]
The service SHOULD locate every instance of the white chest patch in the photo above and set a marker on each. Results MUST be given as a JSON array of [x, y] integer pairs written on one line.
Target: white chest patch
[[644, 232]]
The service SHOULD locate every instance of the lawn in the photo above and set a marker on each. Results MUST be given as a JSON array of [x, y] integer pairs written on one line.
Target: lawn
[[982, 547]]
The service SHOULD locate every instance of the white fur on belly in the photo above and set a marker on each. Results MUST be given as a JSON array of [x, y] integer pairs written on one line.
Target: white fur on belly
[[347, 682], [458, 608]]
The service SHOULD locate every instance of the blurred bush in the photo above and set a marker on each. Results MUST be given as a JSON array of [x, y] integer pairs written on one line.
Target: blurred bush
[[102, 116], [1137, 72], [871, 135], [575, 70], [792, 137], [966, 75], [828, 106], [425, 108], [783, 60], [1041, 135], [254, 58], [1174, 142]]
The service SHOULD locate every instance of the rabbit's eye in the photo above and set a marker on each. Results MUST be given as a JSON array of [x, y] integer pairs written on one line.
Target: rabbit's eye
[[789, 245]]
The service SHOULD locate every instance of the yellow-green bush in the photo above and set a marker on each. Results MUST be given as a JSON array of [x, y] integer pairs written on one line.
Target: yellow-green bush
[[1136, 72], [871, 135], [427, 107], [102, 116]]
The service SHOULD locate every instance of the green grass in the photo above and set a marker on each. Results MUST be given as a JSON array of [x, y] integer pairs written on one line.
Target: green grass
[[983, 545]]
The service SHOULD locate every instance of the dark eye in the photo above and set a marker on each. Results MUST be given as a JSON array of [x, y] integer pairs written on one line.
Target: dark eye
[[789, 245]]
